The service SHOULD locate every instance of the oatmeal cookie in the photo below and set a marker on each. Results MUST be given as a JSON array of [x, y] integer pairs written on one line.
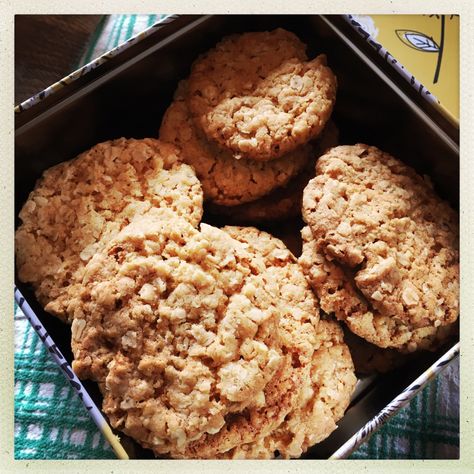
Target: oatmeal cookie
[[375, 216], [285, 201], [324, 399], [338, 293], [225, 180], [283, 280], [257, 95], [188, 334], [78, 205]]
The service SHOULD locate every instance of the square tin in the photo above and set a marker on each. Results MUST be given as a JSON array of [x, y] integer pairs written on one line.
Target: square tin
[[125, 93]]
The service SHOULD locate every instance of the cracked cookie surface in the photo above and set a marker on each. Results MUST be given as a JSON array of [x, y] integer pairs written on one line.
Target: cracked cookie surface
[[188, 333], [286, 289], [338, 293], [225, 180], [375, 216], [257, 95], [324, 399], [78, 205]]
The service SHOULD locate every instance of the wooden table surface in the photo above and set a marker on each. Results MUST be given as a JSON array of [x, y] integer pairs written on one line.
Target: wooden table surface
[[48, 47]]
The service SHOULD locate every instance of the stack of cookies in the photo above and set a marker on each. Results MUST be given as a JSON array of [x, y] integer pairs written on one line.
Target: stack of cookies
[[251, 119], [207, 342]]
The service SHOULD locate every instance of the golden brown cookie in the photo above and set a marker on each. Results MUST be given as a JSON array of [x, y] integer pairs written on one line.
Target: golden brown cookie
[[286, 289], [257, 95], [337, 291], [285, 201], [189, 334], [79, 205], [324, 399], [375, 215], [224, 179]]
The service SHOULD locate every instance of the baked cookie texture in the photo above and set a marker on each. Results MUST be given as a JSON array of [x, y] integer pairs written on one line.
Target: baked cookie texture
[[375, 215], [324, 399], [275, 270], [338, 293], [226, 180], [285, 201], [199, 344], [381, 249], [282, 203], [77, 206], [257, 95]]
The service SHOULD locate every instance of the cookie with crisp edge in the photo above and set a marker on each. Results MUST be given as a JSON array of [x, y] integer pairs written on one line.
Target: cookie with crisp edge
[[338, 294], [191, 335], [285, 201], [370, 359], [226, 180], [324, 399], [377, 217], [77, 206], [282, 203], [299, 316], [257, 95]]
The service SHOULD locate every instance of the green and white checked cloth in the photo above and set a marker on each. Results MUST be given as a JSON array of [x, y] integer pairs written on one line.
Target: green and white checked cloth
[[52, 423], [114, 30], [50, 419]]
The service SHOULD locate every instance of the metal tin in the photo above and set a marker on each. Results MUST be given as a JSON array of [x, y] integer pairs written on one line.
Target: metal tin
[[126, 91]]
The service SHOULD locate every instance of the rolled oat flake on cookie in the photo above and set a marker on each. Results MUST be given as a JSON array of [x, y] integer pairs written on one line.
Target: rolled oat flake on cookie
[[77, 206], [197, 342], [258, 95]]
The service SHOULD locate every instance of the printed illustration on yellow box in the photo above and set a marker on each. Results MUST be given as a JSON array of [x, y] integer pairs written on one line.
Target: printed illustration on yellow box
[[427, 46]]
